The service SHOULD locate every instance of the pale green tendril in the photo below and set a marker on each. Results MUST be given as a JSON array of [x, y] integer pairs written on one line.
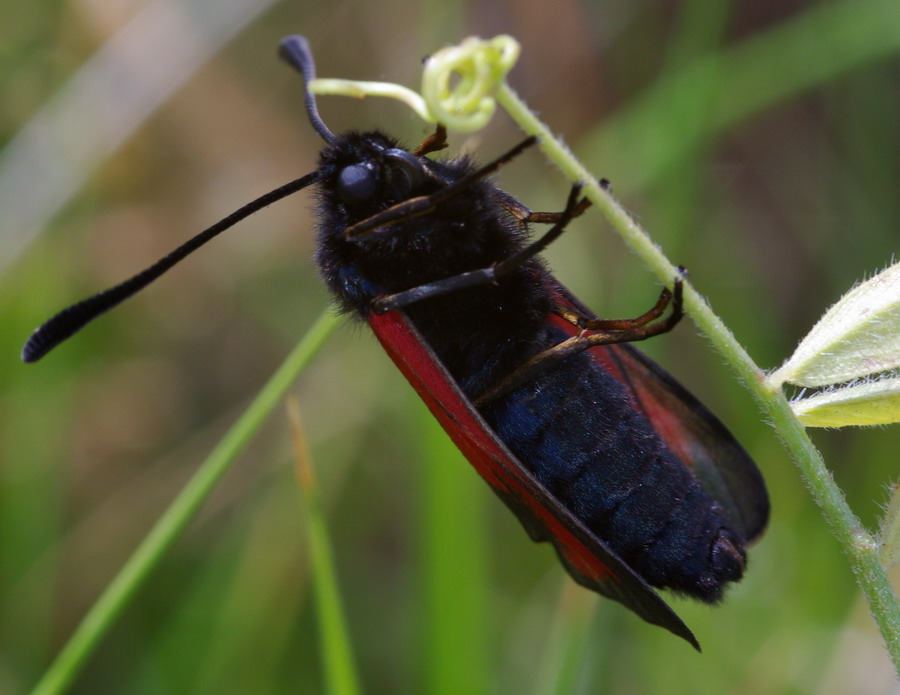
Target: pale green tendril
[[360, 89], [458, 84]]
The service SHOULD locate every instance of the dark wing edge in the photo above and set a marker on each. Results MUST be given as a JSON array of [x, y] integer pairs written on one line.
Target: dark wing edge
[[589, 561], [696, 436]]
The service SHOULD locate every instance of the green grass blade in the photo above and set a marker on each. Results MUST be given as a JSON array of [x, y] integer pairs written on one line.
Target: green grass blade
[[454, 550], [137, 569], [337, 652], [567, 643]]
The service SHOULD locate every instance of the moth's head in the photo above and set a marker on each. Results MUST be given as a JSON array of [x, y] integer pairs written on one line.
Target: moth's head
[[365, 173], [360, 174]]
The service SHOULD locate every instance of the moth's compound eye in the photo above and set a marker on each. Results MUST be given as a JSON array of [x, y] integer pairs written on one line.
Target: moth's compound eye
[[357, 183]]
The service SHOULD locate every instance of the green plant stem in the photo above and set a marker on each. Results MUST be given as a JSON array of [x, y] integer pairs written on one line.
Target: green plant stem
[[137, 569], [860, 547]]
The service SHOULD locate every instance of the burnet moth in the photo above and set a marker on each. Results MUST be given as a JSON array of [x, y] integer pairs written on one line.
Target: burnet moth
[[594, 447]]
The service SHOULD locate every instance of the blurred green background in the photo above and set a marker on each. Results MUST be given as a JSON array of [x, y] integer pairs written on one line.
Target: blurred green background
[[758, 142]]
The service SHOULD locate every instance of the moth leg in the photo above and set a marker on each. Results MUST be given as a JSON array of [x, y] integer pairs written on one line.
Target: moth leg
[[590, 323], [433, 143], [526, 215], [580, 320], [483, 276], [622, 331]]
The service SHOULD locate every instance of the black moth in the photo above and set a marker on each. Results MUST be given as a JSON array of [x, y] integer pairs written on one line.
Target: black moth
[[594, 447]]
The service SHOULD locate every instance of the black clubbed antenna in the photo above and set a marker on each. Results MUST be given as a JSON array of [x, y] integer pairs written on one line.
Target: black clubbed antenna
[[295, 51], [69, 321]]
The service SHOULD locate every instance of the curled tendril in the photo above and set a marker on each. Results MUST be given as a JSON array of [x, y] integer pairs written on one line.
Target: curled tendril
[[459, 82]]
